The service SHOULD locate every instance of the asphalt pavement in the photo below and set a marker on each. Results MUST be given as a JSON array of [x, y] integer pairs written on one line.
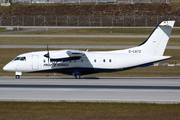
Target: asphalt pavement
[[91, 89]]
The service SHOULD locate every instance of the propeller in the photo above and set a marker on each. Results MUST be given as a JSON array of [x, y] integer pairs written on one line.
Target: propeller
[[47, 55]]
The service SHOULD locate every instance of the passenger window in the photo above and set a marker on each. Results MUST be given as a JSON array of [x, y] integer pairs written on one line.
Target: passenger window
[[94, 60], [81, 60], [109, 60], [104, 60]]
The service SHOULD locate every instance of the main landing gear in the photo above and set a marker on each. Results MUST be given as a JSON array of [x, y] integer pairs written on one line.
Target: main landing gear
[[77, 75]]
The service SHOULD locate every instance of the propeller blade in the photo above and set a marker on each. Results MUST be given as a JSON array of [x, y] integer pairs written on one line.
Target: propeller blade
[[47, 48], [47, 55]]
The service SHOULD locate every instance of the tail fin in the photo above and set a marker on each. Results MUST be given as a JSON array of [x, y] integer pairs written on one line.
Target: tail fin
[[157, 41]]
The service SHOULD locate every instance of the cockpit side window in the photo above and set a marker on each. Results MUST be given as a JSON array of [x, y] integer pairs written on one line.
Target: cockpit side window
[[23, 59]]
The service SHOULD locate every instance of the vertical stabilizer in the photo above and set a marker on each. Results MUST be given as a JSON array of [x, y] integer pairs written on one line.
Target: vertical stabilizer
[[157, 41]]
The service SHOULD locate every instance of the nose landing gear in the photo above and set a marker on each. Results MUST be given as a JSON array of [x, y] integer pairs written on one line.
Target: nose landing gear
[[17, 76]]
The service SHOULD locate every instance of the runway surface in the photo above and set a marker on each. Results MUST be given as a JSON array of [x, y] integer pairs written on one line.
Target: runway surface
[[84, 36], [111, 89], [76, 46]]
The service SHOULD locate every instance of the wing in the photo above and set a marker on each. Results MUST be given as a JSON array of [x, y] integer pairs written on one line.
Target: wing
[[73, 55]]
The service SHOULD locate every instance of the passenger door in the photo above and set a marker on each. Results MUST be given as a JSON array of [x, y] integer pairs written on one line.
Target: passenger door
[[35, 64]]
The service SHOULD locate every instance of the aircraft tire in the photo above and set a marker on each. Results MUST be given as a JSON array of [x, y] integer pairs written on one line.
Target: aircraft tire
[[17, 76], [77, 76]]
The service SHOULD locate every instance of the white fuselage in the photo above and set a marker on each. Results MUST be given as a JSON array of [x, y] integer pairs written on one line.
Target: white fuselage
[[112, 60]]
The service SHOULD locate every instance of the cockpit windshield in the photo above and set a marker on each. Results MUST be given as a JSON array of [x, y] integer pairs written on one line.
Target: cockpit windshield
[[17, 58], [20, 59]]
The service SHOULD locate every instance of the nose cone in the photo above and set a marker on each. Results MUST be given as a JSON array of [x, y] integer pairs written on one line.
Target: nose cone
[[7, 67]]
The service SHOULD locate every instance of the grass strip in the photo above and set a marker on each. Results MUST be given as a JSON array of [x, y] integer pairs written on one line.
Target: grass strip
[[5, 30], [87, 111], [78, 41], [9, 54], [102, 31]]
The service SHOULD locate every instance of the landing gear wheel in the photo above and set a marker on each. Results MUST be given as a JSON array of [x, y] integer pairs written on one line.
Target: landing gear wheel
[[17, 76], [77, 76]]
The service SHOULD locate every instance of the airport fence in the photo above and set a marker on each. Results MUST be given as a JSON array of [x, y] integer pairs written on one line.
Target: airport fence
[[101, 21]]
